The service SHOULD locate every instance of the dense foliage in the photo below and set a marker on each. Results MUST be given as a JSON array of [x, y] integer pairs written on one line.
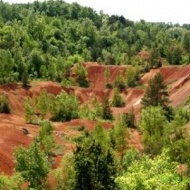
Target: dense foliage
[[51, 40], [147, 174], [41, 39]]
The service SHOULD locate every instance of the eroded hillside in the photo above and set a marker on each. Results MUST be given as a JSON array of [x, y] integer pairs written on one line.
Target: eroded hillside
[[11, 125]]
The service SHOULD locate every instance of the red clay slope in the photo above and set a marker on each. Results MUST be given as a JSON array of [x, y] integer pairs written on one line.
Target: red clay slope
[[177, 78], [11, 135]]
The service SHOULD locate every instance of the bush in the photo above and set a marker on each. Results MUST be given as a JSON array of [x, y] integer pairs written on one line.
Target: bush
[[129, 119], [120, 81], [81, 73], [132, 77], [117, 100], [66, 107], [4, 104]]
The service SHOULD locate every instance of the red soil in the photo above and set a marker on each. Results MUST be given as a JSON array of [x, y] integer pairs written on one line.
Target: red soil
[[177, 78]]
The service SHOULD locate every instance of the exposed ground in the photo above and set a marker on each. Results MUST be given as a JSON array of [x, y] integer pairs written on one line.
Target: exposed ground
[[11, 135]]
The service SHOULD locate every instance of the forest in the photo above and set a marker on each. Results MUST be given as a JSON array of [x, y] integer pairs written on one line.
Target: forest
[[77, 87]]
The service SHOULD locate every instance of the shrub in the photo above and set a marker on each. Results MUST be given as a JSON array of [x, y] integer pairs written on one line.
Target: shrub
[[117, 100], [66, 107], [4, 104], [120, 81]]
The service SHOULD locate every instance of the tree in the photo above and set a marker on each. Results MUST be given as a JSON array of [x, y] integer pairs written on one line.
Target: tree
[[4, 104], [24, 77], [186, 43], [155, 58], [154, 126], [152, 173], [6, 66], [94, 165], [106, 110], [43, 106], [30, 116], [180, 138], [117, 100], [129, 119], [65, 174], [120, 136], [81, 73], [33, 165], [174, 54], [11, 183], [65, 107], [156, 95], [45, 138], [132, 77], [120, 81], [107, 76]]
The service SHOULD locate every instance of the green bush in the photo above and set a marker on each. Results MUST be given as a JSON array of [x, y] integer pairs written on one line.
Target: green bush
[[66, 107], [120, 81], [117, 100], [4, 104]]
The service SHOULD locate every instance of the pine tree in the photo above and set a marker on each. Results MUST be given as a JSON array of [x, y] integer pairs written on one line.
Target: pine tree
[[94, 163], [106, 110], [156, 93], [117, 100]]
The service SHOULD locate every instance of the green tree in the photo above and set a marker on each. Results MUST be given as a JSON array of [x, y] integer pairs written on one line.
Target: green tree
[[129, 119], [154, 126], [106, 110], [6, 66], [45, 138], [180, 138], [107, 76], [42, 103], [117, 99], [81, 73], [152, 173], [11, 183], [132, 77], [120, 136], [155, 61], [25, 77], [120, 82], [174, 54], [101, 137], [156, 94], [186, 43], [33, 165], [65, 107], [30, 115], [95, 168], [65, 174], [4, 104]]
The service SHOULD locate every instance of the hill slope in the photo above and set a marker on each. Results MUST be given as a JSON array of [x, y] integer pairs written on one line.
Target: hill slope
[[177, 79]]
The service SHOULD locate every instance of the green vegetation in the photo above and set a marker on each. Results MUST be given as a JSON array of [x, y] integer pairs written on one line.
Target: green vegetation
[[65, 107], [81, 73], [94, 162], [4, 104], [157, 95], [33, 165], [154, 126], [52, 40], [133, 76], [117, 99], [41, 39], [147, 173], [62, 107]]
